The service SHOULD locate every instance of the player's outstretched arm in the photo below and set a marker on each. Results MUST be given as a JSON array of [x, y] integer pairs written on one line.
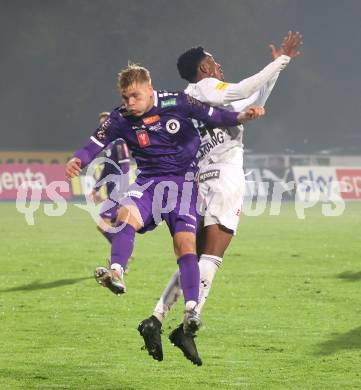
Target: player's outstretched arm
[[215, 92], [218, 93], [254, 112], [110, 130], [216, 116], [82, 157]]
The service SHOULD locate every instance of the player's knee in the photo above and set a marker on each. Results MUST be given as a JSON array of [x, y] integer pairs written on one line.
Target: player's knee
[[217, 239], [184, 243], [129, 215], [103, 225]]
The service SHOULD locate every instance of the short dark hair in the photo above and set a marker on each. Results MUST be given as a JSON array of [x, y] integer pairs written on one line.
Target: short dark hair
[[189, 61]]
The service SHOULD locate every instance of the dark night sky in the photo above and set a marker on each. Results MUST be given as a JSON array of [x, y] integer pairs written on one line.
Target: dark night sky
[[60, 59]]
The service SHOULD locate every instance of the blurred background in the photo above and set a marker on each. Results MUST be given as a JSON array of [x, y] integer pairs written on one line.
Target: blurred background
[[60, 60]]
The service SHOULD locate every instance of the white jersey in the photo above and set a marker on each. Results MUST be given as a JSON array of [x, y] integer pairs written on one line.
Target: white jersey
[[226, 145]]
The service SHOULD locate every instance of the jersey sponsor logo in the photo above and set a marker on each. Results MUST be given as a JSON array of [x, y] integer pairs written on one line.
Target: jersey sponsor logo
[[103, 128], [172, 126], [221, 86], [168, 103], [156, 127], [100, 134], [212, 174], [139, 127], [134, 194], [106, 124], [164, 94], [191, 217], [151, 119], [206, 147], [143, 138]]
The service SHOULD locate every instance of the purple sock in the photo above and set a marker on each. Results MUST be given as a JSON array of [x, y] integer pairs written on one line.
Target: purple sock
[[122, 245], [189, 276]]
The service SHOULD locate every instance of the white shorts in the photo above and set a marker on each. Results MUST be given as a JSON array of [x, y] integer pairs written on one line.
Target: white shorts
[[221, 190]]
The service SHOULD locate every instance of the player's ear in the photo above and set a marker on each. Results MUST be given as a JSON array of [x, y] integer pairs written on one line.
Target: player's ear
[[203, 68]]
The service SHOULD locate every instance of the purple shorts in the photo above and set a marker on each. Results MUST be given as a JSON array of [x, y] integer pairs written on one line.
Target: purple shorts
[[169, 198], [108, 210]]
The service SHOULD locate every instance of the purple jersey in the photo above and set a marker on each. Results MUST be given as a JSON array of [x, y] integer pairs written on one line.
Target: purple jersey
[[163, 141]]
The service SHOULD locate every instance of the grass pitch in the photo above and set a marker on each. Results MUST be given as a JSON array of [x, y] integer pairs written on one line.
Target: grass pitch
[[284, 312]]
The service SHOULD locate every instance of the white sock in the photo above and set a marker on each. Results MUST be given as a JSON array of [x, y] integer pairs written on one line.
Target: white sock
[[208, 267], [190, 305], [169, 297], [117, 267]]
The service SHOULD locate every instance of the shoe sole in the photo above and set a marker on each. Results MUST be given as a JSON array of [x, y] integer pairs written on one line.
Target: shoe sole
[[104, 278]]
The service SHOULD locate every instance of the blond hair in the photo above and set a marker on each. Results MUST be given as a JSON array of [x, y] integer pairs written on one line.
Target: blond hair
[[133, 73], [102, 114]]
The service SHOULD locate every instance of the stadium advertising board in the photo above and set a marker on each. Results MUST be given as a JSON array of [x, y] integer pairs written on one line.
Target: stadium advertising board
[[325, 182], [38, 176], [36, 181], [25, 157], [261, 182]]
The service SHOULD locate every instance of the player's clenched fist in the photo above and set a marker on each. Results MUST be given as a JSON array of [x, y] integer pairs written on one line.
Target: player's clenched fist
[[73, 167], [254, 112]]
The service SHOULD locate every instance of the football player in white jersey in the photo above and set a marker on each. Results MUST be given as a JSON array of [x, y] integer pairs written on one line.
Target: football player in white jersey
[[220, 177]]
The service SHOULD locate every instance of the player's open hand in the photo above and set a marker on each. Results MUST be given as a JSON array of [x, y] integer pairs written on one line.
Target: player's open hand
[[73, 167], [254, 112], [289, 47]]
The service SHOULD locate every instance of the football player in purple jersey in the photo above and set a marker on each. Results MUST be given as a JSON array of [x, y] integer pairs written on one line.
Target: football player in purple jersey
[[158, 129]]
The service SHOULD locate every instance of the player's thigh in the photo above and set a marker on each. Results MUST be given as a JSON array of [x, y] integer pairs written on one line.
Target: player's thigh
[[183, 217], [224, 197], [136, 208], [130, 214]]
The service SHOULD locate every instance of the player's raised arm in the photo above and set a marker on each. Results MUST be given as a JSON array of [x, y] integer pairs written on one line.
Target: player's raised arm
[[218, 93], [103, 135], [281, 57], [289, 46]]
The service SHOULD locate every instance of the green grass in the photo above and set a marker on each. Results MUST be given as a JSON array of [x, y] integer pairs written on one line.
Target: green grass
[[284, 312]]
